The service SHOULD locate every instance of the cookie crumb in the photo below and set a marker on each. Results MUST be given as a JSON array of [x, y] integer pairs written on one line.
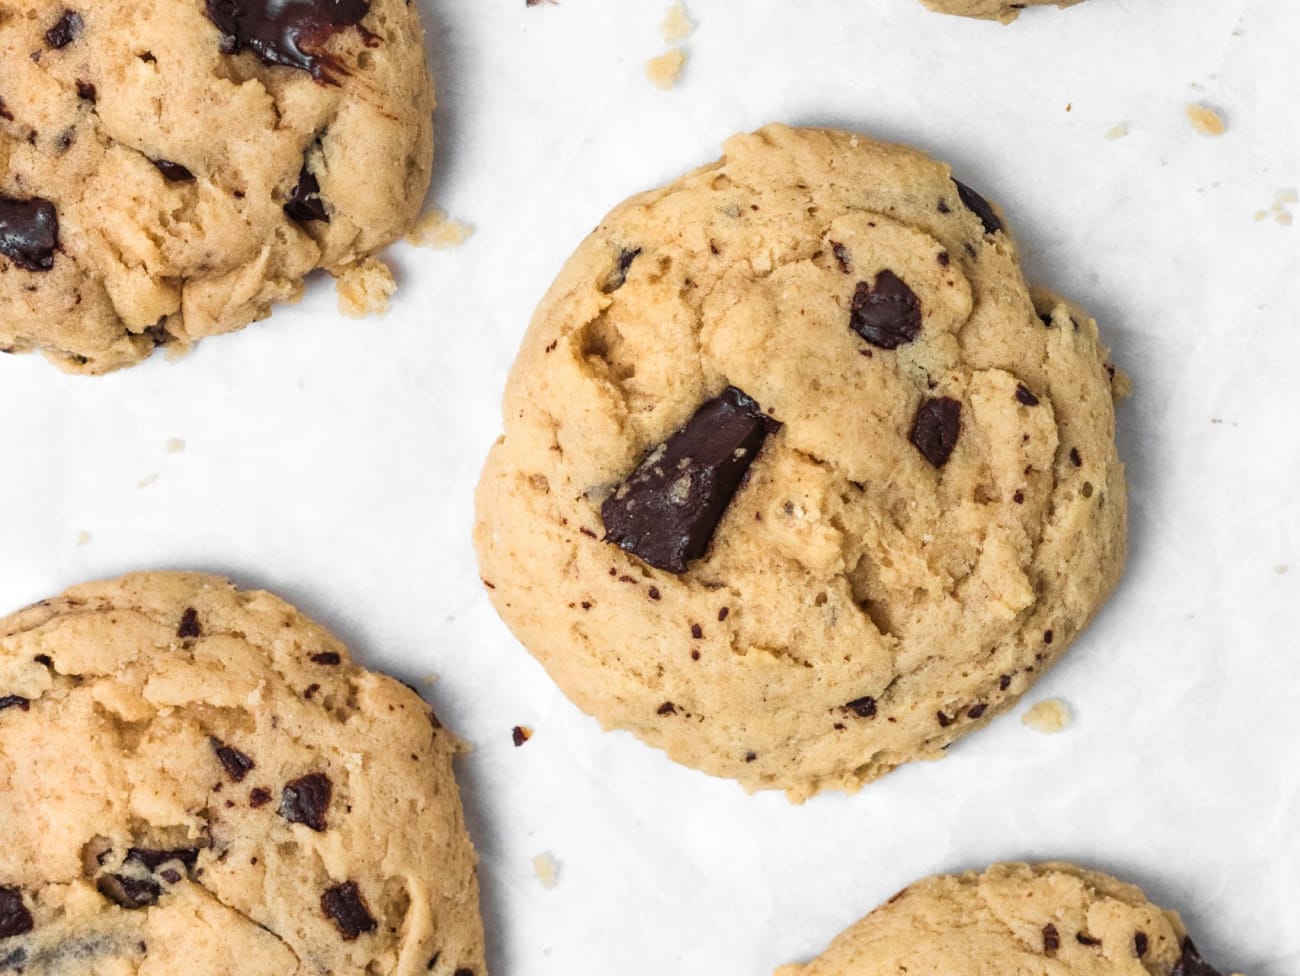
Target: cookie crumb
[[438, 231], [520, 734], [364, 288], [83, 537], [547, 869], [677, 25], [664, 70], [1049, 716], [174, 445], [1121, 386], [1206, 120], [147, 480], [1117, 131], [1280, 568]]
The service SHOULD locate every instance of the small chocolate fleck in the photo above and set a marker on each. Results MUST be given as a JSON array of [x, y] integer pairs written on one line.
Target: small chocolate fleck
[[292, 33], [130, 893], [237, 764], [943, 258], [259, 796], [305, 203], [173, 172], [29, 232], [697, 631], [15, 919], [617, 276], [1018, 497], [1051, 940], [977, 711], [980, 207], [944, 719], [1047, 637], [886, 313], [189, 625], [1075, 458], [666, 511], [1004, 682], [67, 30], [86, 91], [305, 800], [1024, 395], [943, 206], [667, 708], [722, 614], [936, 428], [519, 735], [1140, 944], [154, 859], [750, 756], [14, 701], [653, 593], [344, 906], [1191, 963], [1087, 940], [841, 256], [864, 707], [326, 657], [1046, 319]]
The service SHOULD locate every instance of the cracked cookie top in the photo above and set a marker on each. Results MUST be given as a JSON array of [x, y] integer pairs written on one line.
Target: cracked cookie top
[[169, 170], [197, 779], [798, 481]]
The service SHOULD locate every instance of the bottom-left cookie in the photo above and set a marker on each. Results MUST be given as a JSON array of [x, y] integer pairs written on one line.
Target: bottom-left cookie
[[196, 779]]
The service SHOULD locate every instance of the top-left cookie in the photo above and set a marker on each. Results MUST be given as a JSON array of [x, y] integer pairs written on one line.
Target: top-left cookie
[[169, 169]]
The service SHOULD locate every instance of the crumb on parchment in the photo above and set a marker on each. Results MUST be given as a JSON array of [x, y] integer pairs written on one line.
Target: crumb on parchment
[[438, 231], [147, 480], [83, 537], [1117, 131], [1048, 716], [364, 288], [665, 69], [174, 445], [547, 869], [1206, 120], [676, 25]]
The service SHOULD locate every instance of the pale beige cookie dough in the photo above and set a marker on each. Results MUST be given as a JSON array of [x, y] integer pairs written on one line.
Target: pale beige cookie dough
[[1002, 10], [1015, 919], [929, 516], [170, 170], [196, 779]]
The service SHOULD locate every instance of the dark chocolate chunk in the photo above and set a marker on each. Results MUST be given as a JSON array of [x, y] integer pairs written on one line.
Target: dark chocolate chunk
[[259, 796], [977, 711], [886, 313], [130, 893], [841, 256], [154, 859], [15, 919], [862, 707], [305, 202], [344, 906], [1075, 457], [1047, 637], [519, 735], [980, 207], [667, 708], [189, 625], [668, 508], [29, 232], [173, 172], [305, 800], [237, 764], [945, 720], [14, 701], [935, 430], [750, 756], [292, 33], [1140, 944], [1051, 940], [67, 30], [329, 657], [1087, 940], [617, 276], [1024, 395], [697, 631], [1191, 963], [1004, 682], [86, 91]]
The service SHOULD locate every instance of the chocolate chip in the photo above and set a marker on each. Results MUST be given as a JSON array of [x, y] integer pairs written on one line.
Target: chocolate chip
[[977, 711], [653, 593], [1191, 963], [750, 756], [1047, 637], [977, 205], [14, 701], [943, 258], [29, 232], [327, 658], [1051, 940], [935, 429], [463, 972], [862, 707], [1004, 682], [131, 893], [668, 508], [65, 31], [237, 764], [344, 906], [154, 859], [292, 33], [173, 172], [1140, 944], [86, 91], [1075, 457], [258, 797], [15, 919], [943, 207], [617, 276], [886, 313], [189, 625], [305, 203], [944, 719], [841, 256], [519, 735], [1087, 940], [1025, 396], [723, 613], [306, 799], [697, 631], [667, 708]]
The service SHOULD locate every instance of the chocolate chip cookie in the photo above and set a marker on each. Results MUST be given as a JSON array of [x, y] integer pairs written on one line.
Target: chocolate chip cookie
[[1002, 10], [798, 481], [169, 170], [196, 779], [1015, 918]]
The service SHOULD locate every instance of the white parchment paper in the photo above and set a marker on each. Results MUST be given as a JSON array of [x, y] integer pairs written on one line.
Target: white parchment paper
[[334, 461]]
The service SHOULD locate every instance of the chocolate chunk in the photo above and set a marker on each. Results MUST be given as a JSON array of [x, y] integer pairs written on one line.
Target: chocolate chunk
[[173, 172], [1191, 963], [668, 508], [330, 657], [463, 972], [1004, 682], [977, 205], [15, 919], [14, 701], [977, 711], [189, 625], [65, 31], [86, 91], [1051, 939], [154, 859], [259, 797], [1087, 940], [697, 631], [292, 33], [750, 756], [667, 708], [862, 707], [1140, 944], [1075, 457], [305, 202], [617, 276], [519, 735], [944, 719], [29, 232], [344, 906], [935, 430], [306, 799], [1025, 396], [886, 313], [130, 893], [236, 763], [841, 256]]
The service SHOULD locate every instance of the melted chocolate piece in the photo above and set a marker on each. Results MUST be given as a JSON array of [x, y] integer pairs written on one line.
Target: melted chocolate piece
[[130, 893], [67, 30], [980, 207], [15, 919], [862, 707], [154, 859], [1051, 940], [86, 91], [1191, 963], [29, 233], [344, 906], [331, 657], [935, 430], [14, 701], [886, 313], [172, 172], [1140, 944], [292, 33], [237, 765], [304, 202], [1025, 396], [305, 800], [617, 276], [666, 511], [189, 625]]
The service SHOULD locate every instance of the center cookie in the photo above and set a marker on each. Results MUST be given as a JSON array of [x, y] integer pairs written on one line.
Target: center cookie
[[198, 780], [798, 483], [169, 169]]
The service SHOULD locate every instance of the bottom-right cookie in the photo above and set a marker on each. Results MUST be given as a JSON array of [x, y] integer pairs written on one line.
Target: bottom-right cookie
[[1017, 920]]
